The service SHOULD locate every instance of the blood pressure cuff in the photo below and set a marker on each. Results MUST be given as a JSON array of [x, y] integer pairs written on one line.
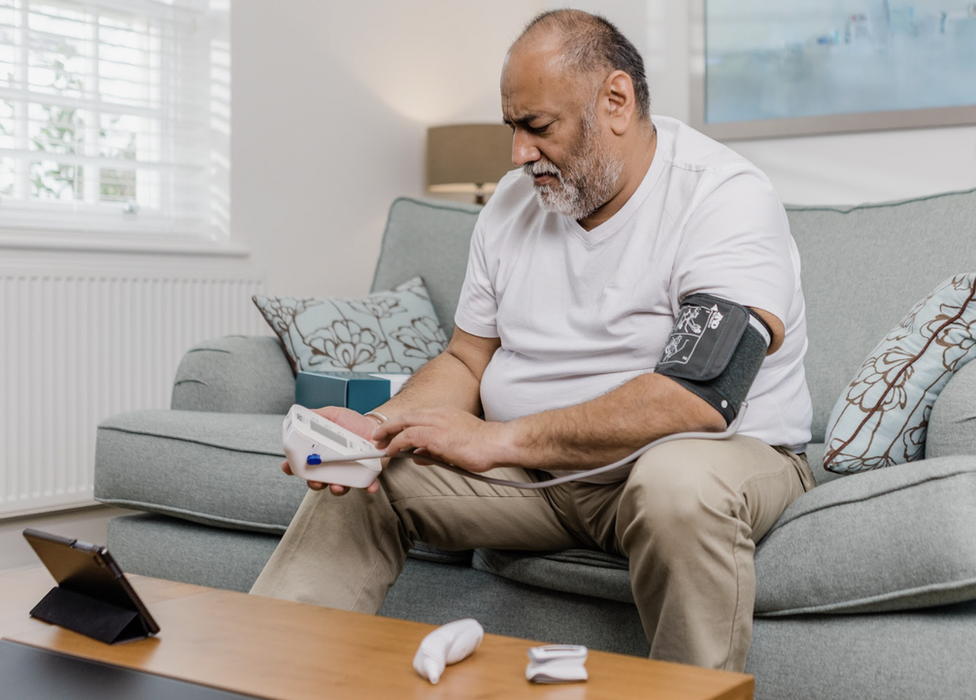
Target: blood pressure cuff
[[715, 350]]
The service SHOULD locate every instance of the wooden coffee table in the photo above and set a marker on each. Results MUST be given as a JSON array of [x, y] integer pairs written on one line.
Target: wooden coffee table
[[289, 651]]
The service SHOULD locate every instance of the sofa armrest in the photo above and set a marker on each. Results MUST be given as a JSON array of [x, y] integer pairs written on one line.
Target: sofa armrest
[[235, 374], [952, 425]]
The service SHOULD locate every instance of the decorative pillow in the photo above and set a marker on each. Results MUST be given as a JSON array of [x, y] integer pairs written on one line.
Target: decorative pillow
[[393, 332], [883, 417]]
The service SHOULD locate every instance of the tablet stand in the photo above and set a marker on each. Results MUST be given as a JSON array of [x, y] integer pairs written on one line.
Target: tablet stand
[[89, 616]]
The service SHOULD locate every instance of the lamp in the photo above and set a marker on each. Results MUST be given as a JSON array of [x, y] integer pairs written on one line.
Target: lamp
[[468, 158]]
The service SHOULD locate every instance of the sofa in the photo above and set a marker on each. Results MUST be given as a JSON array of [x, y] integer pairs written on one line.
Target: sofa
[[866, 586]]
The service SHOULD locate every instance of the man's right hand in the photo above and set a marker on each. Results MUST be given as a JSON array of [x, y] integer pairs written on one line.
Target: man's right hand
[[350, 420]]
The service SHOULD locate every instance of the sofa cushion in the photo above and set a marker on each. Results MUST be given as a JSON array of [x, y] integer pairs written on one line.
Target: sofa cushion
[[214, 468], [581, 571], [952, 425], [429, 238], [176, 550], [897, 656], [395, 331], [892, 539], [882, 417], [235, 374]]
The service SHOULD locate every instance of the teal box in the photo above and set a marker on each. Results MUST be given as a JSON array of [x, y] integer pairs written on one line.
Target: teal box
[[359, 391]]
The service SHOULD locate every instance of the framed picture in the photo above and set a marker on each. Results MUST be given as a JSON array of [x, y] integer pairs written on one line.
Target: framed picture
[[762, 68]]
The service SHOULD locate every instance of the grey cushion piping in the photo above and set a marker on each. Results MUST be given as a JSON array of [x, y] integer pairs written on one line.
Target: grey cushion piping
[[791, 516], [879, 205], [583, 557], [229, 448], [869, 604], [192, 516], [196, 350]]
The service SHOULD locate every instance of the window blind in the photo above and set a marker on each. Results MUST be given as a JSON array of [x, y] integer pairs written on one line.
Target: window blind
[[105, 115]]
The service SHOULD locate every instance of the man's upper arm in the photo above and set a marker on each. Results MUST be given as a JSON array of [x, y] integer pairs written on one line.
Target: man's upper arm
[[736, 245], [776, 327]]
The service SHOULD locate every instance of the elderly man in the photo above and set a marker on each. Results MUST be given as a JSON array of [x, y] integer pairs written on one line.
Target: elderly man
[[579, 267]]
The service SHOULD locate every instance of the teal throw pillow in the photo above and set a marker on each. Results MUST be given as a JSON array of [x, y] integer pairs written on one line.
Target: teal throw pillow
[[883, 417], [393, 332]]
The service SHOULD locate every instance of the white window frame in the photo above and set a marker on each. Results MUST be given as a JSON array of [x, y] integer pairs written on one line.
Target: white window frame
[[181, 182]]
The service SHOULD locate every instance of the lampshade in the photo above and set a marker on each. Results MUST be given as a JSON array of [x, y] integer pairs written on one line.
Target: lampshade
[[468, 157]]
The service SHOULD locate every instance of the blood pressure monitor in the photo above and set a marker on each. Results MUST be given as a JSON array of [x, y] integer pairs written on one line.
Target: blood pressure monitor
[[319, 450]]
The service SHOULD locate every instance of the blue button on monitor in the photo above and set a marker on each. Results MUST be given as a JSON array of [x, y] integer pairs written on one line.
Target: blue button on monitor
[[313, 460]]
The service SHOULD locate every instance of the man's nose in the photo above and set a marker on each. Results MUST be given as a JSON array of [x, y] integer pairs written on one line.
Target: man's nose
[[523, 149]]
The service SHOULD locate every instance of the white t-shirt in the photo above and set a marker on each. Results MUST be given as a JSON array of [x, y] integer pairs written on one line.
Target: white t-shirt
[[579, 312]]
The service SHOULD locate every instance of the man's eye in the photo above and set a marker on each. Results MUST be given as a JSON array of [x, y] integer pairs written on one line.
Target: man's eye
[[538, 129]]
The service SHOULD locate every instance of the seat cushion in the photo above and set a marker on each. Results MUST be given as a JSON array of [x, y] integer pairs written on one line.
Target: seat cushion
[[580, 571], [896, 656], [894, 539], [214, 468]]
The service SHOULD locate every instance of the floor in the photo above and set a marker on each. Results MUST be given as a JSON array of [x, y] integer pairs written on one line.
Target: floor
[[86, 524]]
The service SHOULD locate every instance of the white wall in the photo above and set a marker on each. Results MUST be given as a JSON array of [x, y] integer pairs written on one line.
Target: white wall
[[331, 102]]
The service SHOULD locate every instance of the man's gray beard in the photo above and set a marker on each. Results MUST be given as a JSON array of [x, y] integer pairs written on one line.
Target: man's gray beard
[[589, 182]]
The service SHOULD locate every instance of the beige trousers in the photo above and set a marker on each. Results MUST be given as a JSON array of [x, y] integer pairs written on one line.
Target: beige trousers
[[687, 518]]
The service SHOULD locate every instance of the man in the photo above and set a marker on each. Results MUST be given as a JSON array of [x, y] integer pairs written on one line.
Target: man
[[579, 266]]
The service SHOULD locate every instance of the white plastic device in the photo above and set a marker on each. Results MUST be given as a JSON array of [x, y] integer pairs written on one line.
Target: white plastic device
[[447, 645], [319, 450], [557, 663]]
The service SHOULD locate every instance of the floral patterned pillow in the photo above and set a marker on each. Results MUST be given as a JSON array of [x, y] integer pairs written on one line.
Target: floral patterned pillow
[[393, 332], [883, 417]]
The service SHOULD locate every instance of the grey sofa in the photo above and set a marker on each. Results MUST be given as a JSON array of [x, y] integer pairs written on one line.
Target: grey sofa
[[862, 586]]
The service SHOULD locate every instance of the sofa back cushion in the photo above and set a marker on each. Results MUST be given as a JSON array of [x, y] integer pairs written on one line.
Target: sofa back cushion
[[429, 239], [863, 268]]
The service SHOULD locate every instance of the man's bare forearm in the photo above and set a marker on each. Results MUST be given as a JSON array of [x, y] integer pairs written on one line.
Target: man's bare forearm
[[445, 381], [590, 434], [450, 380], [609, 427]]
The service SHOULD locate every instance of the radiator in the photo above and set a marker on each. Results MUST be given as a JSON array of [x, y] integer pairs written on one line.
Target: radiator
[[77, 347]]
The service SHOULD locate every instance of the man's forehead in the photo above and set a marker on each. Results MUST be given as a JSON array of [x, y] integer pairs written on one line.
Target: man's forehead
[[533, 83], [545, 58], [524, 106]]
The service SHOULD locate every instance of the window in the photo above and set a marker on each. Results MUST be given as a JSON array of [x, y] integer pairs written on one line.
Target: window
[[113, 114]]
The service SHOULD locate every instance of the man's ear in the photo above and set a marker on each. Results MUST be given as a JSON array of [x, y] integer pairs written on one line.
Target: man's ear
[[618, 91]]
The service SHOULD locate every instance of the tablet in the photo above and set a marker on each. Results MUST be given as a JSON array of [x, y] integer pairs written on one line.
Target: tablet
[[88, 572]]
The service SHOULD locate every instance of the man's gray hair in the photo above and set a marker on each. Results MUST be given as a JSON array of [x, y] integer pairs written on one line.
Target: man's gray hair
[[591, 42]]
